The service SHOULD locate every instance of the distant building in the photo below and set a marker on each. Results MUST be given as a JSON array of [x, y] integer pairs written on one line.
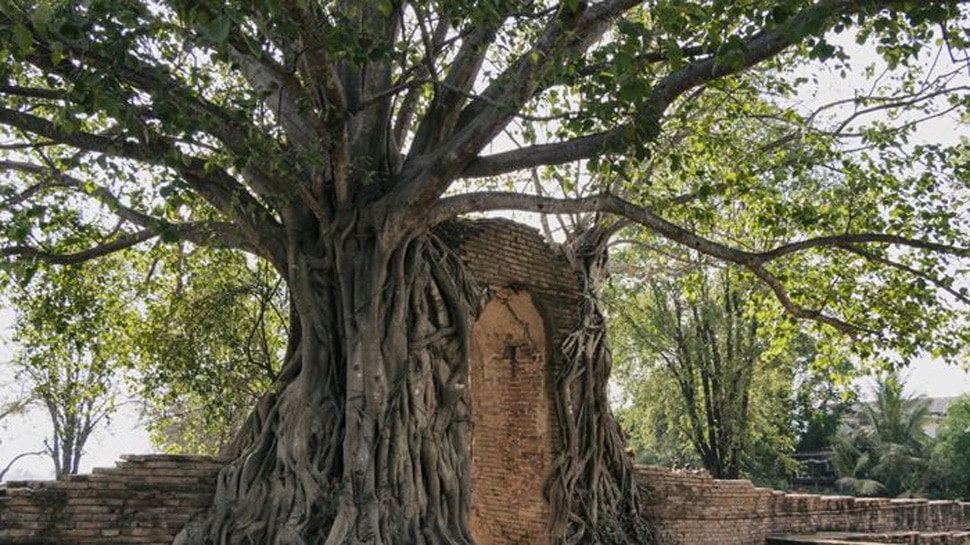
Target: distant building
[[938, 408], [815, 467]]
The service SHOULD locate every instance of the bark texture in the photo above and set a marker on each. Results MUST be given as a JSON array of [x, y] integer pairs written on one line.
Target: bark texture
[[368, 442], [594, 493]]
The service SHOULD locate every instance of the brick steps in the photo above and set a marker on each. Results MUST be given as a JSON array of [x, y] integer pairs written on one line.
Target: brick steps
[[143, 500]]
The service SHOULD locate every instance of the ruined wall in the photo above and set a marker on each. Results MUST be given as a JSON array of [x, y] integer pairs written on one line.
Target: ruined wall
[[531, 308], [144, 500], [694, 509], [511, 451]]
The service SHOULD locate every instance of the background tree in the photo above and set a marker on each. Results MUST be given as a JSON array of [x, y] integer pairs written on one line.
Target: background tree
[[72, 352], [885, 449], [328, 139], [708, 370], [207, 345], [949, 463]]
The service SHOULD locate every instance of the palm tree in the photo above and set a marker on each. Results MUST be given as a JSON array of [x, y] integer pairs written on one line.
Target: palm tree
[[886, 450]]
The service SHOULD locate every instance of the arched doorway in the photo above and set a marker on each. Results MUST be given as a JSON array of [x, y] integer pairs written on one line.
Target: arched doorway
[[511, 439]]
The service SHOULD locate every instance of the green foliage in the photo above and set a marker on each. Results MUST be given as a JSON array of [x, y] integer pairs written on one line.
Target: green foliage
[[884, 450], [949, 464], [70, 328], [210, 342]]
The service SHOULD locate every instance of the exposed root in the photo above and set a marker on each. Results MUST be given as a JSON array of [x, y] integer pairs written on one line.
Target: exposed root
[[594, 495], [369, 442]]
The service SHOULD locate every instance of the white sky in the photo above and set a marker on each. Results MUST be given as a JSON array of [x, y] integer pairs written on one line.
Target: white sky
[[123, 434]]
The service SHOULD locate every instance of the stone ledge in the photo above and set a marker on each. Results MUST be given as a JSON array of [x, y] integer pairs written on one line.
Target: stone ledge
[[849, 538]]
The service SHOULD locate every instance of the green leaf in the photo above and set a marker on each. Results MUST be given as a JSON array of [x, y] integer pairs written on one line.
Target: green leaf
[[23, 38], [217, 30]]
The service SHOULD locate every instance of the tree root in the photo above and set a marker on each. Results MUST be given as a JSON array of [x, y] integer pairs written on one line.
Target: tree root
[[593, 492]]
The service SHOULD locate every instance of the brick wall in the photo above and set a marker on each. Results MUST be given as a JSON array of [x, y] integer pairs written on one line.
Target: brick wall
[[514, 362], [144, 500], [693, 508], [511, 450]]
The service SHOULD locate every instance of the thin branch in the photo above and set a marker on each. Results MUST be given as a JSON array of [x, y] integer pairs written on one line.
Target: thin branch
[[907, 269], [439, 122], [61, 180], [16, 459], [24, 195], [121, 243], [860, 238], [434, 43], [797, 310], [207, 233], [31, 92]]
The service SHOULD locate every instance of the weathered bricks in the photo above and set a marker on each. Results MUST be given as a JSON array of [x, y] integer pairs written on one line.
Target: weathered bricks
[[145, 500], [515, 362], [693, 508]]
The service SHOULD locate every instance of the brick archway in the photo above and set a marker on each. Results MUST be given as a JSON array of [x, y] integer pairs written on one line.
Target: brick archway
[[512, 448]]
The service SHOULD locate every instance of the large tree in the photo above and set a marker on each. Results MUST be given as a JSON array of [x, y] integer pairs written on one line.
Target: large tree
[[329, 138]]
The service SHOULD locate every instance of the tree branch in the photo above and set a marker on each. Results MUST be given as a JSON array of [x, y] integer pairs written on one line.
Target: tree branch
[[6, 469], [907, 269], [121, 243], [568, 35], [442, 115], [848, 239], [58, 179], [755, 262], [433, 44], [216, 234], [31, 92], [757, 49], [219, 188]]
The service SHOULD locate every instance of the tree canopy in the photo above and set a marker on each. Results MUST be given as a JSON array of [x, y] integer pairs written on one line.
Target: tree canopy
[[328, 138], [125, 122]]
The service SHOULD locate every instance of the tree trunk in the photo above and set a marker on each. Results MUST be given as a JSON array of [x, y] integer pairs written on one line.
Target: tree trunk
[[369, 440]]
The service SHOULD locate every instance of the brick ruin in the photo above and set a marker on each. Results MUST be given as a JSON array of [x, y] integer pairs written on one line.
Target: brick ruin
[[514, 362], [692, 508], [144, 500]]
